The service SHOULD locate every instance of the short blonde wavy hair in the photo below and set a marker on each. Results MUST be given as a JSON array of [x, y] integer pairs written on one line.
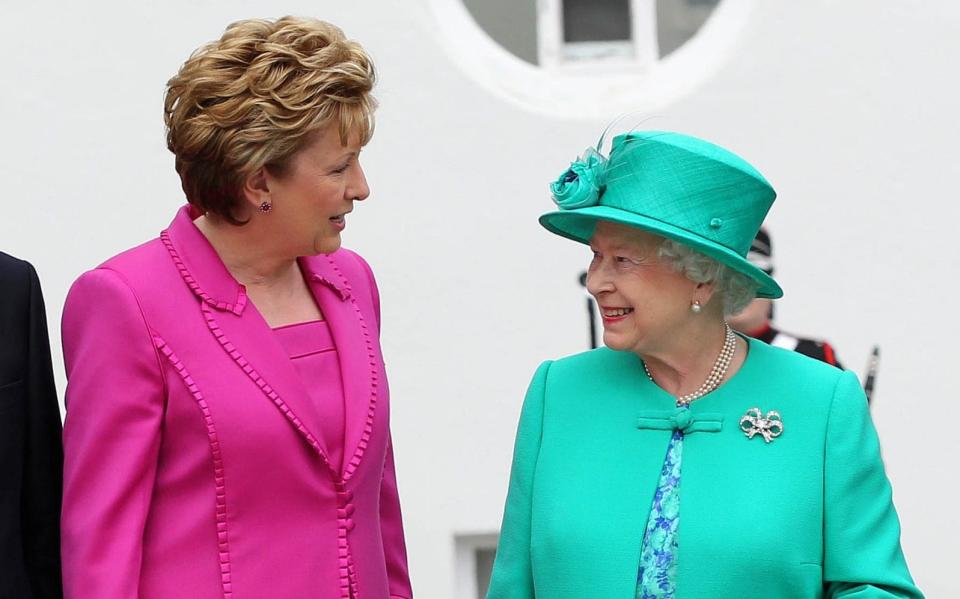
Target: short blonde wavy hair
[[250, 99]]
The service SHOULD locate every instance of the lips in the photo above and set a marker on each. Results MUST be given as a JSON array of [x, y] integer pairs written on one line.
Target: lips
[[614, 314]]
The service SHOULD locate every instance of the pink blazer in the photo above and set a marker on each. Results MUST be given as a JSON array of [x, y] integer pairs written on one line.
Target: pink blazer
[[193, 462]]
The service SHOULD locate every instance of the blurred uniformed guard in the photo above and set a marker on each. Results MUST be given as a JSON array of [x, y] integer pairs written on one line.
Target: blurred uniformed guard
[[757, 319]]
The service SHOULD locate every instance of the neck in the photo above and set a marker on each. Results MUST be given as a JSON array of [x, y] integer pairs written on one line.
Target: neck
[[246, 252], [682, 366]]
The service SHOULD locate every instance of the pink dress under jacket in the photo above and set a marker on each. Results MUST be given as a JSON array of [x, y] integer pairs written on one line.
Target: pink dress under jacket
[[197, 463], [314, 354]]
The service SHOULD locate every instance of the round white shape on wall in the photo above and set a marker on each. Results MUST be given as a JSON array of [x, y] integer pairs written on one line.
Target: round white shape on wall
[[587, 90]]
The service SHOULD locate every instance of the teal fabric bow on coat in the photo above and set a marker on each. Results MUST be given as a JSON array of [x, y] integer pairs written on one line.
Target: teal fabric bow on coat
[[680, 419]]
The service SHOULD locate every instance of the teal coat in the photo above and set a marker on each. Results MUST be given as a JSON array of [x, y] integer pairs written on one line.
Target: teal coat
[[807, 515]]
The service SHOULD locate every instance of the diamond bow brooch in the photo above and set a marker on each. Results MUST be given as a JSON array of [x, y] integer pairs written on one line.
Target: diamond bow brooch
[[769, 426]]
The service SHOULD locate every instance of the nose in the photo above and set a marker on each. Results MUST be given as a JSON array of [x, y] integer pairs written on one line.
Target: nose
[[598, 280], [358, 188]]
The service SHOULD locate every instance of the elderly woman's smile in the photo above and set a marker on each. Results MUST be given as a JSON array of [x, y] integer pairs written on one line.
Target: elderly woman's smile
[[611, 315], [643, 300]]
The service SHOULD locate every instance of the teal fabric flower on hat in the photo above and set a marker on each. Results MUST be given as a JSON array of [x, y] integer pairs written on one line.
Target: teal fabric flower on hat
[[579, 186]]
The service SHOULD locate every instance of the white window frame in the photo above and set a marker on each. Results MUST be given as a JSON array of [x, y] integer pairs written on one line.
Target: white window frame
[[554, 52]]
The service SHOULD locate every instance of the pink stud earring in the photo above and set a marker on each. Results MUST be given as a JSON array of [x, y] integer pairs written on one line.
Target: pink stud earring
[[265, 207], [695, 307]]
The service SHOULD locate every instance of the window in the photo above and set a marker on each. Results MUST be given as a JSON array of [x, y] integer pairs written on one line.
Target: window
[[474, 554], [621, 56], [591, 32], [511, 23], [596, 29], [679, 20], [563, 32]]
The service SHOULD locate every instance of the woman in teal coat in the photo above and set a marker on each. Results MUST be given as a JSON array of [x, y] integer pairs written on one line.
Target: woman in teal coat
[[682, 460]]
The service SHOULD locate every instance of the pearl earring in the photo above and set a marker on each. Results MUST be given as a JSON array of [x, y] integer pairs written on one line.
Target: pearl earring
[[695, 307], [265, 207]]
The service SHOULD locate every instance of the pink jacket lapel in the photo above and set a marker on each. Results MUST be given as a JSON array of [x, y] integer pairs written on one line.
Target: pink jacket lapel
[[240, 329], [358, 350]]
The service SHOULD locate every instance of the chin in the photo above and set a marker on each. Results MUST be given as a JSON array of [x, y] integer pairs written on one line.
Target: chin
[[631, 341], [614, 341], [327, 245]]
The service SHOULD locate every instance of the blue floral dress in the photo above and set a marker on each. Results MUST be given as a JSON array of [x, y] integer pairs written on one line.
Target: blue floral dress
[[656, 578]]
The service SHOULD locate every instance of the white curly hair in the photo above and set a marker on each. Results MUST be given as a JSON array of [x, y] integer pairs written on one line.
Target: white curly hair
[[735, 290]]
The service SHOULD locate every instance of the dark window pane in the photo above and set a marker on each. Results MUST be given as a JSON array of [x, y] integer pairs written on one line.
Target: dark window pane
[[596, 20], [511, 23], [485, 559], [678, 20]]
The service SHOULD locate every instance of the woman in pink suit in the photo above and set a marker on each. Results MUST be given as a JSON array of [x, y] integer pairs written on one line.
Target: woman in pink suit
[[227, 427]]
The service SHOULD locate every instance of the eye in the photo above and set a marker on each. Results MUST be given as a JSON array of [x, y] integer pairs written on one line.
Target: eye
[[344, 166], [627, 262]]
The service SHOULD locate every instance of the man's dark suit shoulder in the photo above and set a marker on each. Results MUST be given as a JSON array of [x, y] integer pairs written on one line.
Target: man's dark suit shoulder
[[15, 274], [15, 289]]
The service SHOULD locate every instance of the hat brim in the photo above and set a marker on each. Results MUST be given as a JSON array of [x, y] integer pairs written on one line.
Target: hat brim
[[579, 225]]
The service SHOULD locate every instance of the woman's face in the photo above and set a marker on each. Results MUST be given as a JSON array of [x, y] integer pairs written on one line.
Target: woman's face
[[315, 192], [643, 302]]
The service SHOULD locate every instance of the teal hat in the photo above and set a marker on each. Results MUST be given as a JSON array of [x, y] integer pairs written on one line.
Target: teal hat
[[671, 185]]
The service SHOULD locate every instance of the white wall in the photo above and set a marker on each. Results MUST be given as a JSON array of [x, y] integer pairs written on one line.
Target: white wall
[[849, 108]]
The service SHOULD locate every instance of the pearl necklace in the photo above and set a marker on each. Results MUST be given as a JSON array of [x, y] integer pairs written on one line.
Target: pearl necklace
[[717, 373]]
